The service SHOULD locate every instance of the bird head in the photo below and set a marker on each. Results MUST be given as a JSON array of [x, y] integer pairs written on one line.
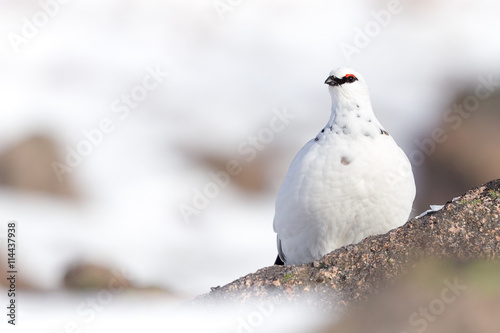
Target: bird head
[[346, 82]]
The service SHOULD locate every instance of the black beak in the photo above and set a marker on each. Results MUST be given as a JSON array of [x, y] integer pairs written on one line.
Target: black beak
[[332, 81]]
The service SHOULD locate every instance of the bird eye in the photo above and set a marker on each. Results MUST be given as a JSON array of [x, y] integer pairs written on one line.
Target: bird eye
[[350, 78]]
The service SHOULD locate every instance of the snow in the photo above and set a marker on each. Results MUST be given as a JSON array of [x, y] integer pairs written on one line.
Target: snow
[[225, 78], [434, 208], [150, 313]]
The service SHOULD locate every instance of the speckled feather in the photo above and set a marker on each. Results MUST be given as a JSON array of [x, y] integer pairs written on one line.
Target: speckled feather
[[350, 182]]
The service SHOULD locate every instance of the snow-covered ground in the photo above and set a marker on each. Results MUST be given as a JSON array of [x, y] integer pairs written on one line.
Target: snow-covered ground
[[225, 78], [63, 312]]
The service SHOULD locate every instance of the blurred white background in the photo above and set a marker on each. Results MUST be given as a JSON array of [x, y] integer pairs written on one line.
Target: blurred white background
[[231, 66]]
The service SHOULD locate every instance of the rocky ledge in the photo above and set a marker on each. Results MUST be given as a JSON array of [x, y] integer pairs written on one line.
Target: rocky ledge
[[467, 227]]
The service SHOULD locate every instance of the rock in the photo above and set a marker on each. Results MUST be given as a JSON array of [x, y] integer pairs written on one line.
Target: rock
[[252, 178], [90, 276], [467, 228], [28, 166], [466, 155]]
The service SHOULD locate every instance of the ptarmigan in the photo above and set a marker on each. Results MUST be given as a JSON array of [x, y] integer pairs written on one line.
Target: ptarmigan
[[350, 182]]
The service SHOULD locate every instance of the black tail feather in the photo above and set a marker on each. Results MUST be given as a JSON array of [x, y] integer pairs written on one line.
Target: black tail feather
[[279, 261]]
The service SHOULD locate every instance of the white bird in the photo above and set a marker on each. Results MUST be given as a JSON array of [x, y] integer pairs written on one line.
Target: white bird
[[350, 182]]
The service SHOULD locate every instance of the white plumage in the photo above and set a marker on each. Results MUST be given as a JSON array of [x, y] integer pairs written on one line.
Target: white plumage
[[350, 182]]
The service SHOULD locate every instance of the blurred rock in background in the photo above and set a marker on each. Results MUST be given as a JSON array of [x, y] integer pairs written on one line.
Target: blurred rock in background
[[91, 276], [254, 175], [469, 154], [28, 166]]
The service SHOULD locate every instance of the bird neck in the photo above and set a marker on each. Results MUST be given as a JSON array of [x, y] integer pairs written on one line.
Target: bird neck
[[353, 115], [352, 107]]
